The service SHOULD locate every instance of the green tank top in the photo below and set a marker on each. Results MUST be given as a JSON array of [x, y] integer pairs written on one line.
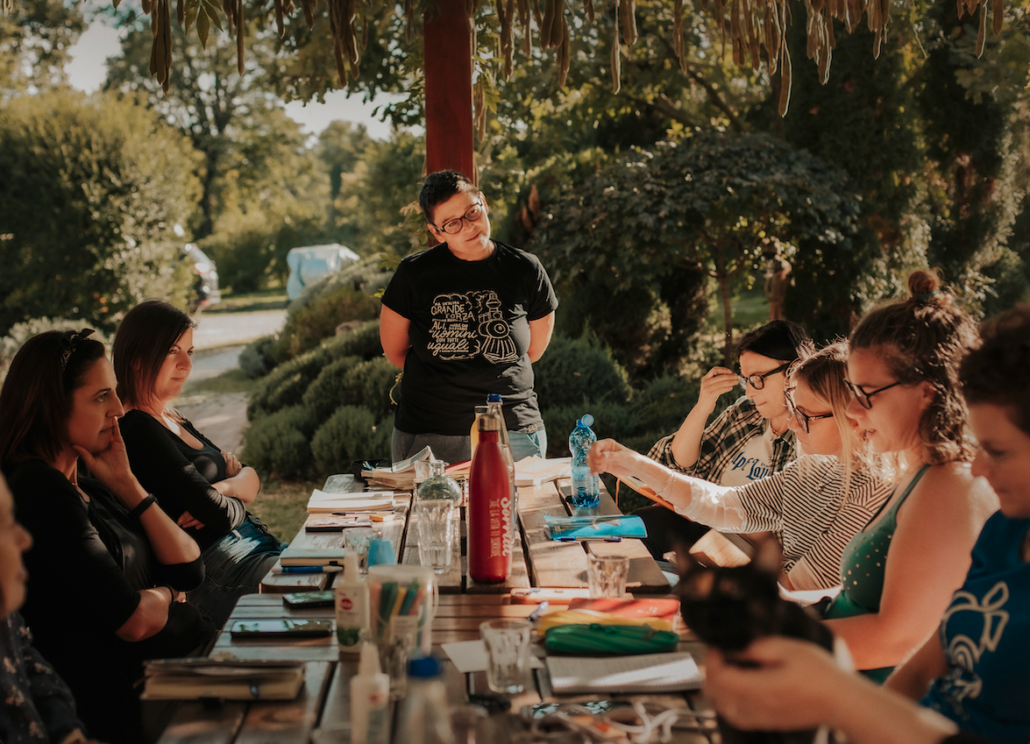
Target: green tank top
[[863, 565]]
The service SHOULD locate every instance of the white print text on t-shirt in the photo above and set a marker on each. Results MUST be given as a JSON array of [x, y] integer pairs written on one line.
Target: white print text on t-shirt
[[469, 325]]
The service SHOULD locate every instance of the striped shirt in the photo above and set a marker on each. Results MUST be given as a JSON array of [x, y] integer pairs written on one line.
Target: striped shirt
[[724, 439], [804, 505]]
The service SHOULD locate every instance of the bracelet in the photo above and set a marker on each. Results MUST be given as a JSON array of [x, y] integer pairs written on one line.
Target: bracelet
[[142, 506]]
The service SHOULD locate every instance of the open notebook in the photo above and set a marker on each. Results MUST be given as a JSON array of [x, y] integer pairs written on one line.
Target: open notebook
[[669, 672], [335, 503]]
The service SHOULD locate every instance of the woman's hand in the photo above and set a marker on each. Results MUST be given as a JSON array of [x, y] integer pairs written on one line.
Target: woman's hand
[[608, 456], [716, 382], [232, 464], [187, 521], [111, 467]]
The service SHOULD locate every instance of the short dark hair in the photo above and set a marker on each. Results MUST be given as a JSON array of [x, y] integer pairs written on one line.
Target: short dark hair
[[141, 344], [997, 372], [441, 186], [777, 339], [36, 399]]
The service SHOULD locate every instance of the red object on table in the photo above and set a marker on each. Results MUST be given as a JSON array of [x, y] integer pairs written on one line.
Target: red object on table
[[489, 511]]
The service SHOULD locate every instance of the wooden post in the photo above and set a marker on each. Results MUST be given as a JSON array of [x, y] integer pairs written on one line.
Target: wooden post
[[448, 69]]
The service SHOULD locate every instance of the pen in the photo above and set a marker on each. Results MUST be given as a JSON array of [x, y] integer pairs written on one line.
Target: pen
[[584, 539], [535, 614], [310, 569]]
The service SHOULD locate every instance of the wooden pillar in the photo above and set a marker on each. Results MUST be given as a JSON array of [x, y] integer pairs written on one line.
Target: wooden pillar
[[448, 70]]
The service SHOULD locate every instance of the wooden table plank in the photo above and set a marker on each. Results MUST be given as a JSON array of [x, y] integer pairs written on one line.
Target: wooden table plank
[[200, 723], [291, 722]]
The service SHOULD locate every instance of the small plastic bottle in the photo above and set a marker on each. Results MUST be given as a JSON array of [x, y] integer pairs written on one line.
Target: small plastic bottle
[[351, 602], [370, 700], [424, 716], [585, 488]]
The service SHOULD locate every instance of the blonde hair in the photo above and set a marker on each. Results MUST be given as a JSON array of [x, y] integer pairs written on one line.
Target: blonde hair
[[824, 373]]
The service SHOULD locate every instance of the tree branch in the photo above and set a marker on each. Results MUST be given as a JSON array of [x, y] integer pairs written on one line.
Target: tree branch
[[662, 105], [713, 94]]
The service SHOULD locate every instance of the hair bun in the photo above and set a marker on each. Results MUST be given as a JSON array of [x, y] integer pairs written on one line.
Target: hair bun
[[924, 284]]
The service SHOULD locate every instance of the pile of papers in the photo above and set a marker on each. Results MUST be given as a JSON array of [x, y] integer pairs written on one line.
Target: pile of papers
[[196, 679], [400, 475], [340, 503], [533, 471]]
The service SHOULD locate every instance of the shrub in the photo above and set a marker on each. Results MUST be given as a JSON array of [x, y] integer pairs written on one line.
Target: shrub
[[663, 404], [286, 384], [22, 332], [256, 359], [362, 341], [345, 437], [576, 370], [91, 191], [329, 391], [369, 383], [307, 326], [278, 444], [611, 421]]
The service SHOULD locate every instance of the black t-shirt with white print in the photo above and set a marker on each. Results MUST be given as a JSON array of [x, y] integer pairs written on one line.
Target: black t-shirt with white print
[[469, 337]]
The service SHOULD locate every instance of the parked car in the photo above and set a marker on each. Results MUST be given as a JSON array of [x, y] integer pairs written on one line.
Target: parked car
[[309, 263], [205, 283]]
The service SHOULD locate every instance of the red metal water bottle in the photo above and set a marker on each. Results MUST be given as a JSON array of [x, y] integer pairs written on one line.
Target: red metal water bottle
[[490, 525]]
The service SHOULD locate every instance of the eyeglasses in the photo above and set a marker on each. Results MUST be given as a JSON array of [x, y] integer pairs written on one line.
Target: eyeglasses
[[863, 397], [803, 418], [758, 381], [453, 227]]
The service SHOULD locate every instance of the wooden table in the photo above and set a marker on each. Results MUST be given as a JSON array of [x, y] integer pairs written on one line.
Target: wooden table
[[537, 560], [325, 698], [542, 568]]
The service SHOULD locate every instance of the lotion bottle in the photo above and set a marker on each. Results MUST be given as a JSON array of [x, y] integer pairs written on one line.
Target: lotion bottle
[[351, 602], [370, 700]]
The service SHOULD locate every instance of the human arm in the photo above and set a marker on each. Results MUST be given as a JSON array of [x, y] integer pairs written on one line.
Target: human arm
[[686, 443], [704, 502], [912, 678], [929, 556], [244, 486], [540, 331], [167, 473], [111, 467], [393, 335], [797, 685]]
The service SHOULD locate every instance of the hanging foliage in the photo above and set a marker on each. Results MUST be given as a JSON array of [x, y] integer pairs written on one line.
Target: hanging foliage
[[756, 30]]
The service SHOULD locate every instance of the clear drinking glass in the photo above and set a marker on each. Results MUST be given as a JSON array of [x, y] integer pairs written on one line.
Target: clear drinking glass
[[435, 533], [507, 653], [606, 575], [358, 539]]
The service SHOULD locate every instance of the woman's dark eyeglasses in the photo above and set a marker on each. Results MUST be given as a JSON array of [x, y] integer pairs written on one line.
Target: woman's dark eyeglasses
[[453, 227], [758, 381], [803, 418], [863, 397]]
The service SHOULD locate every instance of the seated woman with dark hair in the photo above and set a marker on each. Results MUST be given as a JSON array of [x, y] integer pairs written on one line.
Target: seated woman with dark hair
[[202, 487], [112, 561], [747, 442], [38, 706]]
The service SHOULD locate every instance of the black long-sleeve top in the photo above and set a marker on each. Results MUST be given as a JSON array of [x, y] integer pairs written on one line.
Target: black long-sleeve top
[[181, 476], [87, 565]]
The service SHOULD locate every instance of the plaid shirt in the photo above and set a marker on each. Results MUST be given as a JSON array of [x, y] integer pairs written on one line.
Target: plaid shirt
[[723, 440]]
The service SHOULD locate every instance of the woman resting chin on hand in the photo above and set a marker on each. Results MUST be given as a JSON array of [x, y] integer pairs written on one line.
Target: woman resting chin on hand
[[110, 559]]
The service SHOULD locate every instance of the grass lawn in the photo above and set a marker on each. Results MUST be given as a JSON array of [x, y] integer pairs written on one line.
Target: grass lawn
[[267, 299], [282, 505]]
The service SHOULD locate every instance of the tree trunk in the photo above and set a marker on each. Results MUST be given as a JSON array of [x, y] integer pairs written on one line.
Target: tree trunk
[[727, 314]]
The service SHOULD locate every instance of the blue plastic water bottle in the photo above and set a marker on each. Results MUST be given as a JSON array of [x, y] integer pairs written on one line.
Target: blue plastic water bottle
[[585, 489]]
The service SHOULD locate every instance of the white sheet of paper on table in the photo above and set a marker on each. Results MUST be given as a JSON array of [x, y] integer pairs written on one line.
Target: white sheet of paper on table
[[346, 502], [667, 672], [470, 656]]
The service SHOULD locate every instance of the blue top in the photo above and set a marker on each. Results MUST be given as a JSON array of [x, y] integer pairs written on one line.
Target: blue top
[[985, 634]]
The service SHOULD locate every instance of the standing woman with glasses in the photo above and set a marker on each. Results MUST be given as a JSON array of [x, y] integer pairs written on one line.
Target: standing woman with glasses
[[897, 575], [748, 441], [107, 564], [813, 506], [464, 319]]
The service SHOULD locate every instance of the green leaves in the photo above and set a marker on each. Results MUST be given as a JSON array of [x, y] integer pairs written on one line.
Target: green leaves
[[205, 13]]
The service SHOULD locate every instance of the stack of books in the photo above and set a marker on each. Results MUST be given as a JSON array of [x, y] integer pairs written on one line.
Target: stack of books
[[400, 475], [200, 679]]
